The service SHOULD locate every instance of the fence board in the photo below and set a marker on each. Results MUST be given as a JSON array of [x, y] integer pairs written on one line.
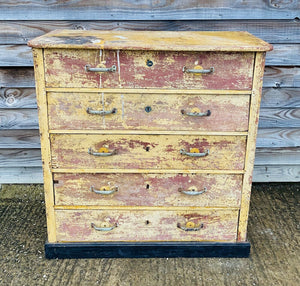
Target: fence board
[[19, 139], [148, 10], [18, 119], [17, 98], [277, 156], [280, 97], [21, 175], [20, 158], [273, 31], [278, 137], [279, 117]]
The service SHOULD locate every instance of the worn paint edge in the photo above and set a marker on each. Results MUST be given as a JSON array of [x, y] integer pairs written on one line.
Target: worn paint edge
[[147, 132], [251, 144], [149, 90], [38, 57], [143, 208], [147, 171]]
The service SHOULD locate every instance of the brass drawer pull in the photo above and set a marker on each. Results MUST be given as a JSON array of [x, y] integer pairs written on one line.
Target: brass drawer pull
[[194, 154], [199, 114], [192, 192], [101, 112], [103, 152], [203, 71], [190, 226], [89, 69], [105, 190], [105, 228]]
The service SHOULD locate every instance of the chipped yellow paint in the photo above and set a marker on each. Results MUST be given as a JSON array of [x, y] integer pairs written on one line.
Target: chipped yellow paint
[[68, 110], [149, 91], [45, 143], [250, 153], [148, 152], [147, 141], [151, 40], [146, 225], [161, 190]]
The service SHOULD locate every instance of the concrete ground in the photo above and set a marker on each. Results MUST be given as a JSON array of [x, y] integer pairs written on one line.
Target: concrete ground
[[273, 232]]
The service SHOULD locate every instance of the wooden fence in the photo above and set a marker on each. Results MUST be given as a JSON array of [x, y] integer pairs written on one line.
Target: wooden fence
[[275, 21]]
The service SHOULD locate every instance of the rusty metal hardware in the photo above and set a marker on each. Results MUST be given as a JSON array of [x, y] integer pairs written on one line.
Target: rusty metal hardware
[[192, 154], [101, 153], [104, 190], [201, 71], [190, 226], [192, 192], [101, 112], [104, 228], [199, 114], [89, 69]]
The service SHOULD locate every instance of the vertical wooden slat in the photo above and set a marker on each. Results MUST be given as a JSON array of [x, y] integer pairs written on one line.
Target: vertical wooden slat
[[45, 142], [250, 151]]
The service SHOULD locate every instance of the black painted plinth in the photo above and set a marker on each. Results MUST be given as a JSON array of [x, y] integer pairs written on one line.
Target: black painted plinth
[[146, 249]]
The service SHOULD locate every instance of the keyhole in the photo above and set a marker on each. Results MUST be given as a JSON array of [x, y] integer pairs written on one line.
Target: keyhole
[[148, 109], [149, 63], [147, 186], [147, 148]]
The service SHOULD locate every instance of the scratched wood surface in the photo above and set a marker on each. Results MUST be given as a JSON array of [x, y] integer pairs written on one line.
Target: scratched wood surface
[[148, 151], [66, 68], [141, 225], [152, 40], [165, 111], [148, 189]]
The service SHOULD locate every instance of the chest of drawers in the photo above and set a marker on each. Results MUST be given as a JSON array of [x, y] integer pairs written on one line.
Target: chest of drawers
[[148, 141]]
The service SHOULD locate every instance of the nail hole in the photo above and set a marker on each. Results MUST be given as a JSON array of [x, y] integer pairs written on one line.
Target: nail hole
[[147, 148], [147, 186], [55, 181], [147, 222]]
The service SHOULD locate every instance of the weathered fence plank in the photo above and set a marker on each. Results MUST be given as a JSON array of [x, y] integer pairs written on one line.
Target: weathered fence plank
[[277, 156], [148, 10], [273, 31], [19, 139], [279, 173], [20, 158], [18, 119], [12, 97], [280, 97]]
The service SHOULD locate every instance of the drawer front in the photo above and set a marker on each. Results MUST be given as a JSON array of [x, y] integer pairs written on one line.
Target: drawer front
[[148, 69], [76, 111], [148, 189], [138, 225], [148, 151]]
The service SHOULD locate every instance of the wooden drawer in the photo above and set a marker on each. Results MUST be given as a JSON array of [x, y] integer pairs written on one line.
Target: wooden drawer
[[148, 69], [75, 111], [148, 189], [146, 225], [147, 151]]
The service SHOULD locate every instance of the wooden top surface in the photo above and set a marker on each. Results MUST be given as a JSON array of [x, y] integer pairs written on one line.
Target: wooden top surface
[[151, 40]]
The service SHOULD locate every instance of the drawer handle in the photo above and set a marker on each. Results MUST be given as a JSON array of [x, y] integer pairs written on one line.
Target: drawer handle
[[103, 152], [89, 69], [203, 71], [101, 112], [199, 114], [192, 192], [104, 190], [106, 228], [190, 226], [194, 154]]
